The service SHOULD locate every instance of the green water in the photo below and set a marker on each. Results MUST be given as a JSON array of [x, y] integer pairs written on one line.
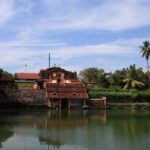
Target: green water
[[74, 130]]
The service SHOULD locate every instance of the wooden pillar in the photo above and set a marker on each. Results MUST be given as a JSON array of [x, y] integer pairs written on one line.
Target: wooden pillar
[[59, 103], [49, 103], [69, 103], [105, 102], [84, 103]]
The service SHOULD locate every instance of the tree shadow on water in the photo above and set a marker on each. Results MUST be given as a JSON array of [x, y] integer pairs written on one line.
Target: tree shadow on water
[[5, 134]]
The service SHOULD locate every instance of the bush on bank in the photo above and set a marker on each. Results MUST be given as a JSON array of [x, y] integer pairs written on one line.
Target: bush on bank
[[121, 96]]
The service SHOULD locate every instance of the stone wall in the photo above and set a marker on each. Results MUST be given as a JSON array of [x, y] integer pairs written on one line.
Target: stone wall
[[29, 97]]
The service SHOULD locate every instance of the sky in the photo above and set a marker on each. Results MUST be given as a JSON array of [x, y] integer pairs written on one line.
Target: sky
[[77, 33]]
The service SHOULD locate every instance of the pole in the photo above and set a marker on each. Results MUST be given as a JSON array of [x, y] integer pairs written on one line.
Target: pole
[[49, 60]]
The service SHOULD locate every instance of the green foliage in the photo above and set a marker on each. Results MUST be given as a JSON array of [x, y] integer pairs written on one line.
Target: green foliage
[[1, 71], [127, 78], [103, 81], [114, 96], [147, 79], [116, 78], [132, 78], [96, 76], [115, 88], [6, 74], [145, 51], [120, 96], [91, 75]]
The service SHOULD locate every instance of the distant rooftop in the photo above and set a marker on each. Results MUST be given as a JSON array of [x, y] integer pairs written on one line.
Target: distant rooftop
[[27, 76]]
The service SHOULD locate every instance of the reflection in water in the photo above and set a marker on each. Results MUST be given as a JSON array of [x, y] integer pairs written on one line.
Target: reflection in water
[[74, 130], [5, 133], [130, 124], [53, 142]]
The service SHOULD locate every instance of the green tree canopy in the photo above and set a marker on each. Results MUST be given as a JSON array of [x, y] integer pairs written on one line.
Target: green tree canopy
[[91, 75], [145, 51], [116, 78], [5, 74], [132, 78]]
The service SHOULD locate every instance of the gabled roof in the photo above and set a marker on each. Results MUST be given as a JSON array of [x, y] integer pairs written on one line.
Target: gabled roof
[[67, 90], [26, 76]]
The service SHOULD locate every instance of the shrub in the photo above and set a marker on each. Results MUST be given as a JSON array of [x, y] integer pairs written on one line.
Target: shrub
[[122, 97]]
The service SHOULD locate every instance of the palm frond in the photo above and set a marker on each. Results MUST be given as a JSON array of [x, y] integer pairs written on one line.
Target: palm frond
[[126, 80]]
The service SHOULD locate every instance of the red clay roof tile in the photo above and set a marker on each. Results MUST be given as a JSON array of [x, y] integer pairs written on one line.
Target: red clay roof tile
[[27, 76]]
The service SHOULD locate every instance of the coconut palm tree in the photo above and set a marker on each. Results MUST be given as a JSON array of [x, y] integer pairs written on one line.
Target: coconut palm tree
[[131, 80], [145, 52]]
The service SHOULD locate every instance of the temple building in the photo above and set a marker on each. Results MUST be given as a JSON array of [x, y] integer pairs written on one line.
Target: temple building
[[63, 88]]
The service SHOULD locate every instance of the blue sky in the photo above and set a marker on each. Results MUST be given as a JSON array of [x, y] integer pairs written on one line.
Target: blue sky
[[78, 33]]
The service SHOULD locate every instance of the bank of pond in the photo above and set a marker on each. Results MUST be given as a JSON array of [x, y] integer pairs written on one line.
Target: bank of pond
[[116, 99]]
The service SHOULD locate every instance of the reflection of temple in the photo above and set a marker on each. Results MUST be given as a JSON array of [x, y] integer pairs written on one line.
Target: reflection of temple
[[63, 89], [53, 128], [53, 119]]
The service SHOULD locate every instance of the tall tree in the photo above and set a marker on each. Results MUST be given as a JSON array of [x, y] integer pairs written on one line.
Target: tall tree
[[1, 72], [6, 74], [132, 79], [116, 78], [145, 52], [91, 74]]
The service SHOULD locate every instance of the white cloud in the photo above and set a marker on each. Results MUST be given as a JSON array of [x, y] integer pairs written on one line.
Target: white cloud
[[111, 15], [47, 15], [6, 10], [68, 52], [9, 9], [33, 19], [134, 42], [30, 43], [14, 54]]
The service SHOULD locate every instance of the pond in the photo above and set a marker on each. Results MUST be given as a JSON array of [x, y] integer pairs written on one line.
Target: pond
[[74, 130]]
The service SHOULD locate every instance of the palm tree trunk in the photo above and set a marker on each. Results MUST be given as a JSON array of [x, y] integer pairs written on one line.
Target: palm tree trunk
[[147, 66]]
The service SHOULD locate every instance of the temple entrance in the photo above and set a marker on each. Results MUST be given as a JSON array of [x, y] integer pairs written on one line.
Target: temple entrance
[[76, 103], [64, 103]]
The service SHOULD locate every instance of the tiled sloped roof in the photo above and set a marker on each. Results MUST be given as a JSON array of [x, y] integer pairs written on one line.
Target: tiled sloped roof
[[68, 91], [27, 76]]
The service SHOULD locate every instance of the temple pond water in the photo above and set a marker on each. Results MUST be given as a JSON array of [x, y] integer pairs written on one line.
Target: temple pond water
[[74, 130]]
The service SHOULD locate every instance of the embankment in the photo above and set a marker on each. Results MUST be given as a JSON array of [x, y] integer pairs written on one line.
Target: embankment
[[23, 97]]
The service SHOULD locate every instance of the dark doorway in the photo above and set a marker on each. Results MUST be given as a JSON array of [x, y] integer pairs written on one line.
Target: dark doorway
[[64, 103]]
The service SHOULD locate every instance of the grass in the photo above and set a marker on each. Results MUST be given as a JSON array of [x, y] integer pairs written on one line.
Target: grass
[[27, 84]]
